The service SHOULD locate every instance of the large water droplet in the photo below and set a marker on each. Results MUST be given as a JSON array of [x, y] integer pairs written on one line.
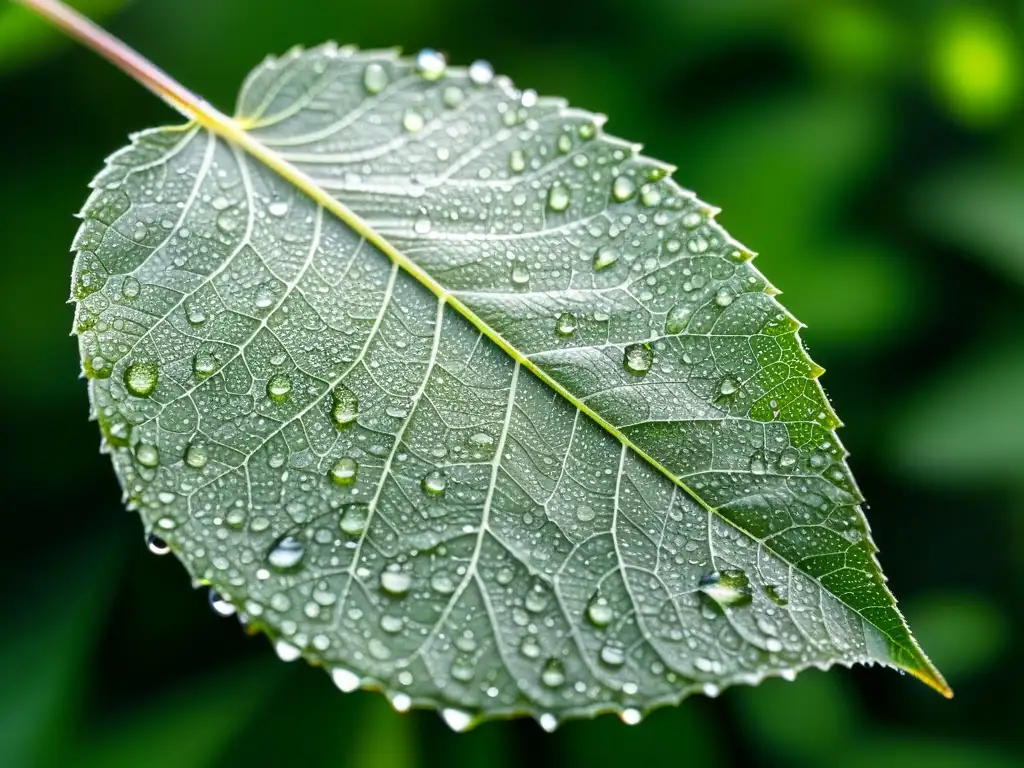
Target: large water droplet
[[613, 655], [728, 588], [195, 315], [623, 188], [401, 702], [375, 78], [203, 364], [564, 144], [520, 275], [565, 325], [775, 594], [585, 513], [130, 288], [344, 471], [286, 554], [631, 716], [728, 386], [141, 378], [548, 722], [413, 121], [157, 545], [430, 64], [723, 297], [345, 407], [395, 582], [354, 519], [517, 161], [196, 456], [434, 483], [553, 674], [637, 358], [600, 612], [219, 605], [345, 680], [678, 318], [558, 197], [279, 386], [147, 454], [456, 719], [481, 72], [606, 256], [278, 208]]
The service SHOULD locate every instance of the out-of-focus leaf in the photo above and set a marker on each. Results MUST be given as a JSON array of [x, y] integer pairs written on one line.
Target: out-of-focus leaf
[[25, 38], [192, 726], [975, 62], [965, 632], [526, 433], [811, 719], [966, 424], [978, 207], [908, 752], [383, 740], [852, 38], [45, 646]]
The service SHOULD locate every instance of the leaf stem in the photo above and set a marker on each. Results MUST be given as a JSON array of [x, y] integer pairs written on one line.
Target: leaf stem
[[125, 58]]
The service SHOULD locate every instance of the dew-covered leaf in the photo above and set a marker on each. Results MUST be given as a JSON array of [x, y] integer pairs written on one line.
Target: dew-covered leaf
[[455, 395]]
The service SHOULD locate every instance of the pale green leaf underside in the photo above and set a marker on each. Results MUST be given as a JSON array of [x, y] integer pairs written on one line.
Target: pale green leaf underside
[[517, 555]]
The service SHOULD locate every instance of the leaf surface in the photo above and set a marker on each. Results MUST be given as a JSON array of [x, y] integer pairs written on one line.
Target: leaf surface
[[459, 397]]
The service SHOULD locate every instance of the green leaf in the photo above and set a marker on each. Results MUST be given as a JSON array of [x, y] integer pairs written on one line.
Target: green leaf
[[457, 396]]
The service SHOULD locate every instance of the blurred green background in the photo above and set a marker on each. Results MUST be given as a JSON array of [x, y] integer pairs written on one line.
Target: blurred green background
[[872, 152]]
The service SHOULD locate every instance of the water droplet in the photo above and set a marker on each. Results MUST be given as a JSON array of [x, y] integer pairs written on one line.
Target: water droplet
[[344, 471], [203, 364], [141, 378], [413, 121], [775, 594], [278, 208], [728, 588], [279, 386], [587, 131], [345, 680], [613, 655], [520, 275], [788, 458], [196, 456], [219, 605], [548, 722], [354, 519], [558, 197], [375, 78], [130, 288], [728, 386], [442, 583], [434, 483], [650, 195], [517, 161], [631, 716], [565, 325], [481, 72], [606, 256], [147, 454], [600, 612], [422, 226], [345, 407], [157, 545], [286, 554], [220, 203], [637, 358], [724, 297], [564, 144], [623, 188], [395, 582], [194, 314], [677, 319], [536, 599], [456, 719], [401, 702], [553, 674], [585, 513], [286, 651], [391, 624], [430, 64], [452, 96], [529, 647]]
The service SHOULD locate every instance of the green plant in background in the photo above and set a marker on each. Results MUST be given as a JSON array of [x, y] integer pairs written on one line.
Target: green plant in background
[[453, 394]]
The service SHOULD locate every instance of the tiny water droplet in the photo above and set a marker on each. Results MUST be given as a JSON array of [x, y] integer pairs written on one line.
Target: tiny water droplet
[[354, 518], [623, 188], [553, 674], [565, 325], [279, 386], [344, 471], [345, 681], [587, 131], [219, 605], [456, 719], [395, 582], [442, 583], [147, 454], [286, 554], [728, 588], [430, 64], [157, 545], [558, 197], [434, 483], [606, 256], [638, 358], [481, 72], [141, 378], [196, 456]]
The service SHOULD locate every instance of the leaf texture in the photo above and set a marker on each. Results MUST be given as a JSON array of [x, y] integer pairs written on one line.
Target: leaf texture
[[473, 404]]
